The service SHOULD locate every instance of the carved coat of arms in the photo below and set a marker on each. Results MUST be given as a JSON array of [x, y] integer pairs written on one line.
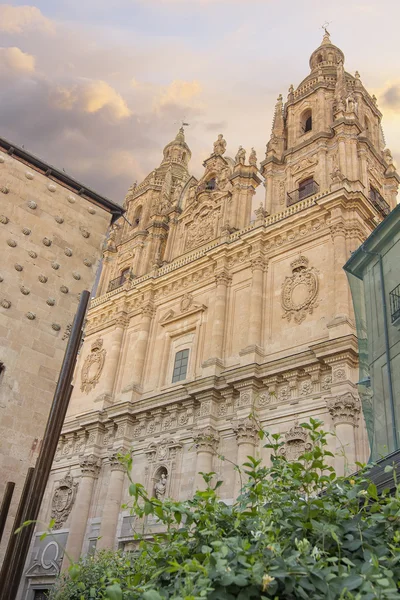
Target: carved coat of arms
[[63, 500], [93, 366], [300, 291]]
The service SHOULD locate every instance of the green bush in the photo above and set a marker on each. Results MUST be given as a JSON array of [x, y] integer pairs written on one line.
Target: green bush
[[296, 531]]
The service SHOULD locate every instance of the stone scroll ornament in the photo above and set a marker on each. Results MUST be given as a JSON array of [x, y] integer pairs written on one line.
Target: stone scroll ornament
[[93, 366], [63, 500], [300, 291]]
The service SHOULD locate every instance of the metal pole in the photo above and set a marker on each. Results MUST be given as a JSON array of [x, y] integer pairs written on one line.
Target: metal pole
[[19, 519], [5, 505], [14, 562]]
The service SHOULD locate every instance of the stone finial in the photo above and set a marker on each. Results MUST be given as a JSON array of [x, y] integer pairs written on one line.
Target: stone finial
[[344, 409], [290, 95], [246, 431], [240, 156]]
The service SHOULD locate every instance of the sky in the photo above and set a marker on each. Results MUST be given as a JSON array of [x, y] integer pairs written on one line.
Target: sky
[[99, 87]]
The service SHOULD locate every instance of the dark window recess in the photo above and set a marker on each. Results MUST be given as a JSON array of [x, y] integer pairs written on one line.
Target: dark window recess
[[308, 124], [41, 595], [306, 188], [380, 204], [210, 185], [180, 366], [120, 280], [394, 297]]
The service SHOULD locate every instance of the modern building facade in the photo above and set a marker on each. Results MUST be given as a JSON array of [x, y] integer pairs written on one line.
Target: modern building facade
[[374, 277], [52, 230], [205, 315]]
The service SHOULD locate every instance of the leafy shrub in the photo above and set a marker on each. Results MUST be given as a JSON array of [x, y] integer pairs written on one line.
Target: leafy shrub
[[296, 531]]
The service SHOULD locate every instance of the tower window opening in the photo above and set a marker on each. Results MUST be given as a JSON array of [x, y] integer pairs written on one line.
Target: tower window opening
[[211, 184], [180, 366], [306, 188], [183, 156], [137, 217], [367, 125], [306, 121], [320, 58]]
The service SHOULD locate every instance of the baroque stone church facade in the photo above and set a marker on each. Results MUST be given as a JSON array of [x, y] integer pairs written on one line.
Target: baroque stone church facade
[[204, 315]]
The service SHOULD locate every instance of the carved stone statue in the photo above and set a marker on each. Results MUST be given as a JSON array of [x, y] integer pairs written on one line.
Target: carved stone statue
[[161, 487], [240, 156], [220, 145], [351, 104], [388, 156], [253, 158]]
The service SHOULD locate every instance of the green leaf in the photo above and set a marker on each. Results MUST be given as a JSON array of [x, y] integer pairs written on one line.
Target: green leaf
[[74, 571], [43, 536], [148, 508], [352, 582], [114, 592], [152, 595]]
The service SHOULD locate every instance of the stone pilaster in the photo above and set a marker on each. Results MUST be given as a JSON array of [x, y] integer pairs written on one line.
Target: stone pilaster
[[254, 338], [246, 437], [206, 442], [141, 346], [112, 504], [90, 468], [345, 413], [222, 279]]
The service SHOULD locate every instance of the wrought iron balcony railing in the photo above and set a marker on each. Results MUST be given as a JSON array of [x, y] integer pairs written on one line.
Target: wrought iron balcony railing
[[304, 191], [394, 297], [119, 281], [380, 204]]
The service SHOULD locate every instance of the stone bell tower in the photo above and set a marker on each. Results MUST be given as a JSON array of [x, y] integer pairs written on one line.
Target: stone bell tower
[[328, 132]]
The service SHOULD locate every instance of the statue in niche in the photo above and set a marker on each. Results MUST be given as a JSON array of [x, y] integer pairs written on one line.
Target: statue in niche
[[351, 104], [240, 156], [219, 145], [160, 487]]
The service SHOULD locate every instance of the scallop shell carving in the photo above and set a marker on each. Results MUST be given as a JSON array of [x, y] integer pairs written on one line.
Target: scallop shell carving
[[32, 254], [87, 262], [50, 301], [18, 267], [42, 278], [29, 175], [51, 187], [5, 189], [76, 275], [84, 232], [55, 265], [91, 210], [26, 231], [12, 243], [24, 290], [68, 252], [59, 219], [32, 204], [2, 159], [64, 289], [4, 219], [56, 326], [71, 199], [5, 303], [31, 316], [46, 241], [1, 279]]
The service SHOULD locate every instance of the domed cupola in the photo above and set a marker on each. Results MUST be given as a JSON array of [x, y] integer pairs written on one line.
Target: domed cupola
[[177, 151], [327, 54]]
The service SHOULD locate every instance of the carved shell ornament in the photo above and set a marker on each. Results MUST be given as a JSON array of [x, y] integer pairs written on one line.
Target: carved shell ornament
[[300, 291], [93, 366]]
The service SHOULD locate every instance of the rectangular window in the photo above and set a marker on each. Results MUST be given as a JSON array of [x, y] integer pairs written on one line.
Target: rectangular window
[[180, 366]]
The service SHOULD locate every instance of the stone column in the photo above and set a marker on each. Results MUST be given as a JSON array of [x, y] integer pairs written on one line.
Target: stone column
[[113, 356], [345, 411], [256, 302], [222, 280], [268, 194], [112, 504], [206, 441], [340, 257], [141, 344], [246, 436], [90, 467]]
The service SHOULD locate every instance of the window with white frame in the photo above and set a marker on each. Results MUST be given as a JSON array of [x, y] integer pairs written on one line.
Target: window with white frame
[[180, 365]]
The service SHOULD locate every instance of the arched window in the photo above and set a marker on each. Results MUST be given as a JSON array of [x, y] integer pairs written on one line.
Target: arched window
[[367, 126], [183, 156], [180, 365], [320, 58], [137, 217], [211, 184], [306, 121]]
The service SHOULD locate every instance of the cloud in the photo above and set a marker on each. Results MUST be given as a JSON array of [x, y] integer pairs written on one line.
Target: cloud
[[178, 92], [13, 60], [17, 19], [91, 97], [391, 96]]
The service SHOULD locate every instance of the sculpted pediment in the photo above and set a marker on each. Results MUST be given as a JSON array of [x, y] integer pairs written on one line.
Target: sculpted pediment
[[187, 308]]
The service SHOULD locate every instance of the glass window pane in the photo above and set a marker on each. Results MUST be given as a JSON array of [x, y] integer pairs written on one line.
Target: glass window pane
[[180, 365]]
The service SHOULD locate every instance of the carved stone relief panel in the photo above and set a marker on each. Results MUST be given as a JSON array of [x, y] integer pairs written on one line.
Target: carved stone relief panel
[[93, 366], [295, 443], [63, 500], [299, 291]]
